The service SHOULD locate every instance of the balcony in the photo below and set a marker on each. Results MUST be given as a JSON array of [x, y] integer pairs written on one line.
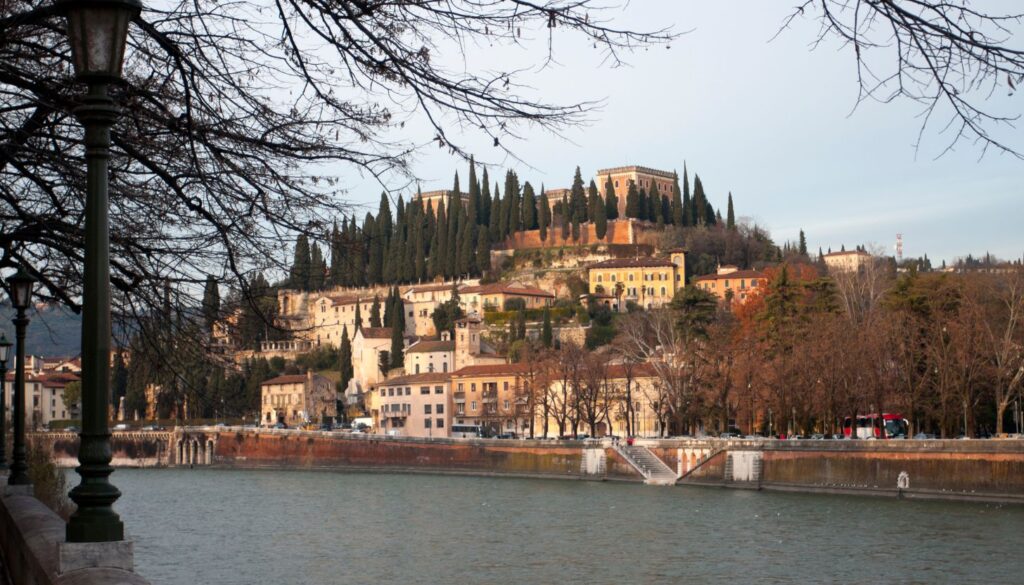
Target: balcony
[[460, 397], [489, 395], [396, 413]]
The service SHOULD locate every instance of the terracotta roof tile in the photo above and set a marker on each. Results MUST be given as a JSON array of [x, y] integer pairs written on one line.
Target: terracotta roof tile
[[634, 263], [429, 345]]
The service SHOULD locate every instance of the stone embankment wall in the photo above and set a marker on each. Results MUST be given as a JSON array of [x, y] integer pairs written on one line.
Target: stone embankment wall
[[129, 449], [964, 470]]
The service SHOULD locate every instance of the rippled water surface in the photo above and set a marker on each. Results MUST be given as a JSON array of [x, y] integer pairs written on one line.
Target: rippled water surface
[[231, 527]]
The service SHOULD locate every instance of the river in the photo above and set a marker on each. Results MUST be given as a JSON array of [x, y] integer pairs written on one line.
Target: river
[[229, 527]]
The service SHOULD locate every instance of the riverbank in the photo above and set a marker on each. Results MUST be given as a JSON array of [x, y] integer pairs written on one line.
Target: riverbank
[[989, 470]]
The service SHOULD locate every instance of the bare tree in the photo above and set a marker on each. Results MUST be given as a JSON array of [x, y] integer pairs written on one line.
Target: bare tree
[[1004, 337]]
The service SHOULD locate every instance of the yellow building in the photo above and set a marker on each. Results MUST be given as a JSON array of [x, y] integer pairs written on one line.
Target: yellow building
[[644, 177], [297, 399], [493, 296], [846, 261], [649, 282], [620, 417], [417, 405], [731, 284], [489, 396]]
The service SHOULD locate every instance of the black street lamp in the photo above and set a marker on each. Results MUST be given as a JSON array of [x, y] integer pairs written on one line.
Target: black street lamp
[[21, 297], [5, 352], [98, 30]]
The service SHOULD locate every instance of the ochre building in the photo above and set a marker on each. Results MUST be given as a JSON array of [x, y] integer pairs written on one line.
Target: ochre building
[[649, 282]]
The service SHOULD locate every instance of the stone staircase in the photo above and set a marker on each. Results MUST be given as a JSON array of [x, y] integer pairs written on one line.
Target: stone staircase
[[654, 470]]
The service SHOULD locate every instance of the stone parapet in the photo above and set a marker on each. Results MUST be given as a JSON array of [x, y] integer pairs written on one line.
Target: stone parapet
[[30, 537]]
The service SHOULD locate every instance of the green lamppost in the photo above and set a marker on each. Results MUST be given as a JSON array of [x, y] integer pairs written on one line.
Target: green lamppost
[[21, 297], [98, 30], [5, 352]]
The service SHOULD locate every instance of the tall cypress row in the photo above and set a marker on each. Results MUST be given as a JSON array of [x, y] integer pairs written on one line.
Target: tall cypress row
[[632, 200], [593, 201], [544, 215], [529, 207], [689, 218], [677, 202], [485, 202], [611, 200]]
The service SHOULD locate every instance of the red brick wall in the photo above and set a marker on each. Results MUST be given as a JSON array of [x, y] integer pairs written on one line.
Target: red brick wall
[[620, 231]]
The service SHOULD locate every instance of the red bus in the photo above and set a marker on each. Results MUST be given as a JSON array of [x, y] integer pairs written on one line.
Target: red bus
[[870, 426]]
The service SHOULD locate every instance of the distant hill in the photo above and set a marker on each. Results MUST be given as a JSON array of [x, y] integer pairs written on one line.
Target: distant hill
[[53, 331]]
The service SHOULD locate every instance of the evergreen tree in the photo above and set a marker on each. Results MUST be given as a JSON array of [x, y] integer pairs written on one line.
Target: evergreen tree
[[529, 207], [654, 205], [375, 312], [359, 317], [803, 238], [419, 246], [505, 219], [641, 204], [483, 252], [397, 353], [689, 218], [485, 201], [546, 333], [456, 190], [318, 268], [375, 250], [632, 200], [666, 211], [456, 214], [564, 218], [301, 267], [611, 200], [593, 201], [600, 217], [467, 248], [544, 215], [521, 324], [440, 251], [337, 259], [575, 227], [211, 302], [474, 193], [495, 220], [700, 204], [577, 199], [730, 215], [676, 211], [345, 359]]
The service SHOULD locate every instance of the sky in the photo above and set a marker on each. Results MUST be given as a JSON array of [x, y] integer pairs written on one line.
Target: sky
[[772, 121]]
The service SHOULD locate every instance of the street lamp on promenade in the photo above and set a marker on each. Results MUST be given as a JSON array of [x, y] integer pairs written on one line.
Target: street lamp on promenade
[[21, 297], [5, 351], [98, 30]]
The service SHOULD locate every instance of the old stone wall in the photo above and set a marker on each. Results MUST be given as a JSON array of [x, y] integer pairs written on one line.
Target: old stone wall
[[129, 449]]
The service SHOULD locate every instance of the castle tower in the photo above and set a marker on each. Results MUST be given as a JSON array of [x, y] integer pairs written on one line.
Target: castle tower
[[467, 340]]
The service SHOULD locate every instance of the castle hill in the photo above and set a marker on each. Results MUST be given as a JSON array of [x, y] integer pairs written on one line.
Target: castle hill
[[511, 292]]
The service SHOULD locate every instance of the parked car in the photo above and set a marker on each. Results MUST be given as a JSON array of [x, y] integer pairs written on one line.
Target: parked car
[[120, 427], [818, 437], [279, 425], [922, 436], [730, 435]]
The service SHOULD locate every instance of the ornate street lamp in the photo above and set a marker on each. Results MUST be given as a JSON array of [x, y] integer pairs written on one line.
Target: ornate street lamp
[[98, 31], [21, 297], [5, 352]]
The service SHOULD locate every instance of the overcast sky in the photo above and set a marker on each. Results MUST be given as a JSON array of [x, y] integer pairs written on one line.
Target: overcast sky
[[771, 121]]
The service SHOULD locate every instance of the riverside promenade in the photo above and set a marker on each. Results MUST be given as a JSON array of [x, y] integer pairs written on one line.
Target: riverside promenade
[[970, 470]]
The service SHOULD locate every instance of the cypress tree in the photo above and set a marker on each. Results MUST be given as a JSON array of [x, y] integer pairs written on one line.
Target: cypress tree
[[434, 256], [456, 190], [442, 243], [730, 221], [666, 211], [689, 218], [654, 204], [494, 220], [483, 252], [359, 317], [529, 207], [641, 204], [467, 249], [564, 218], [521, 322], [600, 216], [345, 359], [211, 302], [301, 266], [700, 211], [546, 333], [375, 312], [451, 256], [474, 194], [632, 200], [611, 200], [419, 267], [577, 199], [397, 354], [544, 215], [334, 248], [677, 202], [803, 242], [593, 201], [575, 227], [374, 253], [505, 217], [318, 268], [485, 201]]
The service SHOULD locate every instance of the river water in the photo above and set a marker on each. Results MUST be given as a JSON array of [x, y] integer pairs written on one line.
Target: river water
[[229, 527]]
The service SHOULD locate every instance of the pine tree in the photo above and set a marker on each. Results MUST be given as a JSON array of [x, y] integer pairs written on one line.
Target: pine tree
[[544, 215], [546, 333], [730, 221], [611, 200], [396, 356], [301, 267], [803, 238], [632, 200], [211, 302], [345, 359], [375, 312], [529, 207], [677, 202]]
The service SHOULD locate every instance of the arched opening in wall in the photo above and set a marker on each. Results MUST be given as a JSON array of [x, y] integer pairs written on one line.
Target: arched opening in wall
[[179, 452], [209, 451], [194, 454], [693, 460]]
